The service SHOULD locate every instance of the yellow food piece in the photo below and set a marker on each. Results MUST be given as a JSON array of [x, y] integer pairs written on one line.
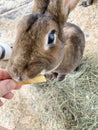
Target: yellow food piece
[[37, 79]]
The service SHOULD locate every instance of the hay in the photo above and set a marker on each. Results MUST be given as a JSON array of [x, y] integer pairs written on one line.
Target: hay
[[71, 104]]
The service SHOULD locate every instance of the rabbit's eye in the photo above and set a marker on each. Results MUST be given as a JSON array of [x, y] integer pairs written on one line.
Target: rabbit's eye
[[51, 37], [50, 40]]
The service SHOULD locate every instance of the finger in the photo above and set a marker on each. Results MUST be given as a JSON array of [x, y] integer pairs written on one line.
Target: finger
[[18, 87], [4, 74], [6, 86], [8, 95], [1, 103]]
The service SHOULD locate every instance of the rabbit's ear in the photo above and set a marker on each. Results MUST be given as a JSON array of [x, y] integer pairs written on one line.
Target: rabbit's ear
[[40, 6], [71, 4], [60, 9]]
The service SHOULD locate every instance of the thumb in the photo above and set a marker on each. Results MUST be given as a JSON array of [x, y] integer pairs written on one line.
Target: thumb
[[6, 86]]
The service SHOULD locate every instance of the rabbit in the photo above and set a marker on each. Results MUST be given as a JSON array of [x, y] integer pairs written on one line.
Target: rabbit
[[87, 3], [46, 43]]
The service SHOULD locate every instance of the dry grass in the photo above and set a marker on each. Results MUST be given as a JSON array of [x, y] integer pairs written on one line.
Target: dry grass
[[71, 104]]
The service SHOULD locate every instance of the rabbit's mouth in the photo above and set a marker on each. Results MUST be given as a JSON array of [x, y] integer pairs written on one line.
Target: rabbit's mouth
[[24, 78], [24, 75]]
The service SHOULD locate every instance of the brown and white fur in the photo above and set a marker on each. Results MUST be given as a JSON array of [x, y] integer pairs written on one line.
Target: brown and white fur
[[46, 43]]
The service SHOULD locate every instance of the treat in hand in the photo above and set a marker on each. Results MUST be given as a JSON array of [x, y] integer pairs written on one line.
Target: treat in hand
[[38, 79]]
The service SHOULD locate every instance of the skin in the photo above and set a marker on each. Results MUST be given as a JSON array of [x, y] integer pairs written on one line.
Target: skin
[[6, 85]]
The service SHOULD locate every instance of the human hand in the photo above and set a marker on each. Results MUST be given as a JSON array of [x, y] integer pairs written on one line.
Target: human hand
[[6, 85]]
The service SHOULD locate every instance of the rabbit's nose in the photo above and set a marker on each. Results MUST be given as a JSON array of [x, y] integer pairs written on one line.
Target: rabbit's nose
[[18, 78]]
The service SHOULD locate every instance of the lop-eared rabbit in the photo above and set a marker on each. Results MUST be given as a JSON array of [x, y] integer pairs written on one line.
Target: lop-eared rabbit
[[45, 43]]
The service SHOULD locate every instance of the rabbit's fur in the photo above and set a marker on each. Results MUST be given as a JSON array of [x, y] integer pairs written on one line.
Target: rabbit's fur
[[45, 43]]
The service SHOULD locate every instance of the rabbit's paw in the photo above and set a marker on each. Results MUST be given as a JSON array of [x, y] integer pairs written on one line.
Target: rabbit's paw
[[61, 77], [86, 3], [51, 76]]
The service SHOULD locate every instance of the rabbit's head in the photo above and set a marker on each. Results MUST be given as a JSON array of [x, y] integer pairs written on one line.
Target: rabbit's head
[[39, 43]]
